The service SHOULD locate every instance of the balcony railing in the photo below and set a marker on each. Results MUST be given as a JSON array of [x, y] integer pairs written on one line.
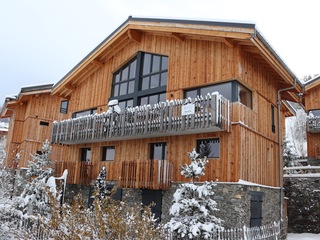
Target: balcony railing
[[149, 174], [175, 117], [313, 124]]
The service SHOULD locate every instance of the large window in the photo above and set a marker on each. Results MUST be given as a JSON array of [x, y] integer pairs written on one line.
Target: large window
[[209, 147], [141, 81], [233, 91]]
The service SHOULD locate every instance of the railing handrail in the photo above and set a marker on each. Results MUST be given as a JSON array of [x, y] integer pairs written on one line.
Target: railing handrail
[[210, 111]]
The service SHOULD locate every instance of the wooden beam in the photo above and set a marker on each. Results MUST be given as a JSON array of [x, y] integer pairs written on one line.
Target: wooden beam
[[228, 42], [71, 87], [134, 35], [178, 36], [97, 63]]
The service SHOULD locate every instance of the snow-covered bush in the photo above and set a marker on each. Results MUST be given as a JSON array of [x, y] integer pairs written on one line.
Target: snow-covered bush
[[193, 209]]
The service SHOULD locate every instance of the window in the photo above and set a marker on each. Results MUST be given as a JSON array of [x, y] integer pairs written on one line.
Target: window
[[42, 123], [314, 113], [84, 113], [85, 154], [64, 106], [108, 153], [209, 147], [273, 126], [141, 81], [158, 151], [233, 91]]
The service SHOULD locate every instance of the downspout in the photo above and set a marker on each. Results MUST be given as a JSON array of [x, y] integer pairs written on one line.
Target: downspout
[[280, 153]]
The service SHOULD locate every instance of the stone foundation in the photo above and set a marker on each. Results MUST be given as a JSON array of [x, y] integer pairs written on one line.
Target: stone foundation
[[303, 204]]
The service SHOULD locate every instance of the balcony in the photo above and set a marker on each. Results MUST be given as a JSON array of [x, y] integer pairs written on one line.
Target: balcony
[[149, 174], [313, 124], [175, 117]]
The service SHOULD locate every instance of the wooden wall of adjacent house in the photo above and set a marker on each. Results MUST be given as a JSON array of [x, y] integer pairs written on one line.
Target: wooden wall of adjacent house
[[312, 100], [249, 152], [31, 124]]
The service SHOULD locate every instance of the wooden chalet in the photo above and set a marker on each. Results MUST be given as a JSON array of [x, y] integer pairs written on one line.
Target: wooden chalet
[[157, 88], [31, 114], [312, 106]]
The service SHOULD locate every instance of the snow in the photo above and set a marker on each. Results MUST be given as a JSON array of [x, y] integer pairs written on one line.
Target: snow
[[303, 236]]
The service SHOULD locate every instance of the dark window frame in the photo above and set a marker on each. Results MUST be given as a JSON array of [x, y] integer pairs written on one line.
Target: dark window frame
[[235, 90], [198, 144], [91, 111], [139, 91], [105, 153], [64, 109], [163, 150]]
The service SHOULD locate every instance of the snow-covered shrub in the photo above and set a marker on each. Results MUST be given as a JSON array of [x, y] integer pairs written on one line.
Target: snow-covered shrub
[[193, 209]]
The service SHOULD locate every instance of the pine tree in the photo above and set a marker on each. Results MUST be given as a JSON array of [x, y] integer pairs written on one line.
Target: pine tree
[[193, 210]]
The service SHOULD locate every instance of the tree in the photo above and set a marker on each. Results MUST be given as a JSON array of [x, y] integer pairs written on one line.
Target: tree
[[193, 209]]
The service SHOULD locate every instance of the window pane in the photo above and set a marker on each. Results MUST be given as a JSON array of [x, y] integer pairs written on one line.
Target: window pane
[[122, 105], [146, 63], [314, 113], [145, 83], [191, 93], [225, 89], [131, 87], [153, 99], [116, 90], [162, 97], [143, 101], [164, 64], [156, 64], [108, 153], [123, 88], [158, 151], [64, 106], [85, 154], [129, 103], [164, 77], [125, 72], [117, 77], [209, 147], [154, 81], [132, 73]]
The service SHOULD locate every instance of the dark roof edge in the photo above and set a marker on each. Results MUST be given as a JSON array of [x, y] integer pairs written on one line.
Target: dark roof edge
[[266, 43], [130, 18], [36, 88], [316, 78]]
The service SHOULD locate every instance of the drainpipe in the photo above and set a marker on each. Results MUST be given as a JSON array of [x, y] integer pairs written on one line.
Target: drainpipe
[[280, 153]]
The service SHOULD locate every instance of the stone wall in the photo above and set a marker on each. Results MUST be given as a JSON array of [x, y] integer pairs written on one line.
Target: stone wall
[[303, 204]]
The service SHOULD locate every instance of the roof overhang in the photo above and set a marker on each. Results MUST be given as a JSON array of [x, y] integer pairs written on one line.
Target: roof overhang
[[230, 33]]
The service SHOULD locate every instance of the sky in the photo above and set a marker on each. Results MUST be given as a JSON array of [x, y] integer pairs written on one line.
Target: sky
[[42, 40]]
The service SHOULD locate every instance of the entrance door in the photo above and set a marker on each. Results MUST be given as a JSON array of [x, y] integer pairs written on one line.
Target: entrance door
[[85, 167], [153, 196], [256, 209]]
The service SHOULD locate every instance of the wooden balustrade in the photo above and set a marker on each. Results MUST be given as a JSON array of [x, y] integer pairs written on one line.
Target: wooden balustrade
[[210, 113], [149, 174], [313, 124]]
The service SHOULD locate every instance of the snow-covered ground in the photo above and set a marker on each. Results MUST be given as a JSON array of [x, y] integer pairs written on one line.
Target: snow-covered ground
[[303, 236]]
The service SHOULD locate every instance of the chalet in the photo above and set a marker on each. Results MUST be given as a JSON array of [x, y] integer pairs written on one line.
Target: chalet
[[157, 88], [312, 106], [31, 114]]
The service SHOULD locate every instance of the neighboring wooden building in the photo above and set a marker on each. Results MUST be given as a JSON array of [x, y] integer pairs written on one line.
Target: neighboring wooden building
[[312, 106], [157, 62], [31, 114]]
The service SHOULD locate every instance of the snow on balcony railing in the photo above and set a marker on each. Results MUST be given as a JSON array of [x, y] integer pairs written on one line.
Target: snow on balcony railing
[[175, 117], [302, 171]]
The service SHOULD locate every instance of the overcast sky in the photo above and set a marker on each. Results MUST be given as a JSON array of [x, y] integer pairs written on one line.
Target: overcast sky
[[42, 40]]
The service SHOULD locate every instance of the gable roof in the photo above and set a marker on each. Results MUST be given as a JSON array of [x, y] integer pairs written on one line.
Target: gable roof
[[312, 83], [23, 96], [230, 33]]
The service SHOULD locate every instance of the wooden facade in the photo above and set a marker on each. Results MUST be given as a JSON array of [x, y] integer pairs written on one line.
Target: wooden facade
[[199, 54], [31, 114], [312, 106]]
